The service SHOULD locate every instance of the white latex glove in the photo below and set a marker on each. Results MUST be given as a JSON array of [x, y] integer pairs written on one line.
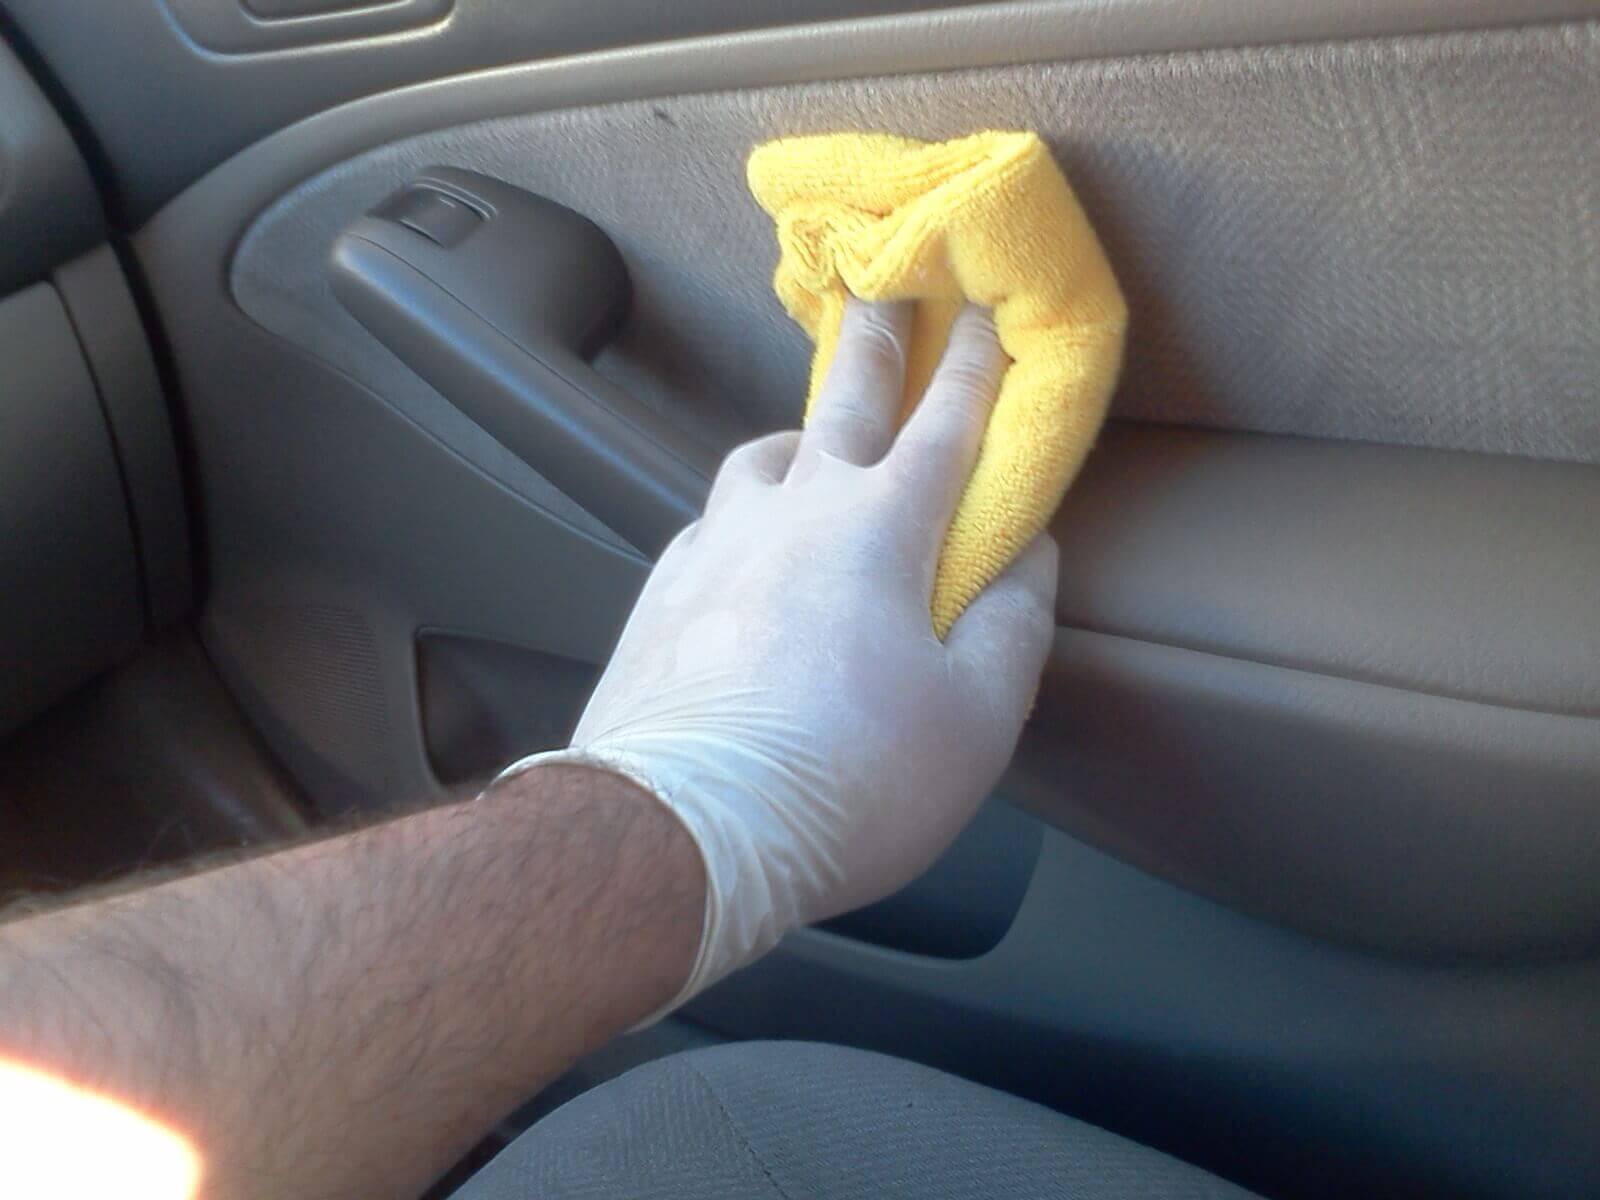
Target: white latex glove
[[779, 685]]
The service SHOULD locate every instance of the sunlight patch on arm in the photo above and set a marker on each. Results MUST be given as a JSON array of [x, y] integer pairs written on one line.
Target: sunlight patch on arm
[[63, 1142]]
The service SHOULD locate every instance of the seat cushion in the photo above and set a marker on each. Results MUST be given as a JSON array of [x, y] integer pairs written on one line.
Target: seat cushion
[[800, 1121]]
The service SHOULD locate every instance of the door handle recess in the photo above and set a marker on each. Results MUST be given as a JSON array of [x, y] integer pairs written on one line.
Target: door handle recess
[[259, 26], [498, 299]]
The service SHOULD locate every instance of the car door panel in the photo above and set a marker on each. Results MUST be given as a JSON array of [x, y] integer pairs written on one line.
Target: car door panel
[[1382, 567], [1298, 1068], [1311, 886], [252, 72]]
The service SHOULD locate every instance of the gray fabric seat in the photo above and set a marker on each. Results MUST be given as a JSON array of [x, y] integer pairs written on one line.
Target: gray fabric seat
[[798, 1121]]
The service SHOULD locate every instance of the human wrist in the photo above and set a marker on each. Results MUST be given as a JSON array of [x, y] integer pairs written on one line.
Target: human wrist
[[693, 775], [641, 866]]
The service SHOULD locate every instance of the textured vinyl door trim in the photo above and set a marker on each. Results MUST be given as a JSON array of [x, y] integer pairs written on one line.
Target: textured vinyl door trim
[[209, 215]]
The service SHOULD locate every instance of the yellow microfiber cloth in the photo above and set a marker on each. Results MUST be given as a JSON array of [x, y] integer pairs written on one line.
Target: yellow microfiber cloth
[[987, 218]]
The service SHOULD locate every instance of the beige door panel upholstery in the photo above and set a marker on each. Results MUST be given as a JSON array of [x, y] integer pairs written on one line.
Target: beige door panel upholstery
[[1385, 240], [1370, 240]]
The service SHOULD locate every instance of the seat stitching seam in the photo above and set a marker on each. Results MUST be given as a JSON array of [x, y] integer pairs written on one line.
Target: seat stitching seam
[[727, 1115]]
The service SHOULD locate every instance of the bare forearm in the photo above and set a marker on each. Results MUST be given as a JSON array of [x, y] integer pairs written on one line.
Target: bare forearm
[[345, 1018]]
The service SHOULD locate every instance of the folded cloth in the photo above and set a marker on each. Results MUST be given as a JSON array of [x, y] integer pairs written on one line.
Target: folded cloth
[[987, 218]]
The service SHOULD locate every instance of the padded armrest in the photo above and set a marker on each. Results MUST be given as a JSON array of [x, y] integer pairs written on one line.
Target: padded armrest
[[1352, 688], [1458, 575]]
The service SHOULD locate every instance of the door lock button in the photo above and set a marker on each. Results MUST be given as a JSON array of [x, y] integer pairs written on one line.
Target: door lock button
[[433, 214]]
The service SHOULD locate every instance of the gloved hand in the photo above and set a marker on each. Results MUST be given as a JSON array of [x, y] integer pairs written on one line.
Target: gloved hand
[[779, 685]]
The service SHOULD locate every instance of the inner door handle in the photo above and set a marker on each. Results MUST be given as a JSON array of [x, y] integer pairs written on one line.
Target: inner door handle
[[499, 299]]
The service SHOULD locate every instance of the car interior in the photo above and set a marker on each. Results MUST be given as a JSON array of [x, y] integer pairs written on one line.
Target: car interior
[[356, 357]]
